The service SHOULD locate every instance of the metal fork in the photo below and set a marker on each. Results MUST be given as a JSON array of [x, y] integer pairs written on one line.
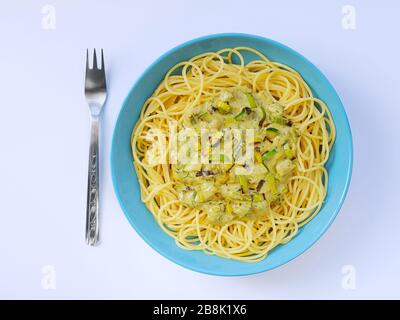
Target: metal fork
[[96, 94]]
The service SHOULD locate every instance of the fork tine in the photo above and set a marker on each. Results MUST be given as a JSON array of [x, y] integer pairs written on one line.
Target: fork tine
[[102, 60], [94, 59], [87, 60]]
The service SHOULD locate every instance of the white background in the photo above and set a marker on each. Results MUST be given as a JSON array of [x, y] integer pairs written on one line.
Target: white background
[[44, 131]]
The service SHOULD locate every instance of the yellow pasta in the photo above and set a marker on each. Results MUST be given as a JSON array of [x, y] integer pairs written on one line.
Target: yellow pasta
[[199, 80]]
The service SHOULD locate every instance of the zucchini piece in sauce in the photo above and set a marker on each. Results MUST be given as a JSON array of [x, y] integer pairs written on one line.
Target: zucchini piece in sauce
[[223, 107], [242, 114], [288, 150], [269, 154], [250, 99], [272, 133], [244, 183], [279, 120], [258, 197], [271, 184]]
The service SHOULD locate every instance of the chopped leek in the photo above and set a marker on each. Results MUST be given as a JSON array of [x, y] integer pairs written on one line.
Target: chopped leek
[[240, 115], [229, 209], [257, 157], [244, 183], [229, 121], [269, 154], [288, 151], [258, 197], [199, 196], [223, 107], [203, 115], [264, 116], [251, 100], [195, 117], [279, 120], [271, 183], [272, 133]]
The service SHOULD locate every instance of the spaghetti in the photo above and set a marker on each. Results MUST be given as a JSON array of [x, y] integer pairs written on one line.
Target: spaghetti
[[213, 86]]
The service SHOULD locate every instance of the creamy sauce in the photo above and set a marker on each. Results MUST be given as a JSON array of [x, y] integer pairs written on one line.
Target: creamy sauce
[[227, 190]]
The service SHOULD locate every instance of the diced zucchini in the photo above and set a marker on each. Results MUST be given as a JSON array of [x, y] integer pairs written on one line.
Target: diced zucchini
[[240, 115], [199, 197], [272, 133], [264, 116], [279, 120], [229, 209], [229, 121], [251, 100], [258, 197], [203, 115], [193, 119], [244, 183], [271, 183], [288, 151], [257, 157], [223, 107], [269, 154]]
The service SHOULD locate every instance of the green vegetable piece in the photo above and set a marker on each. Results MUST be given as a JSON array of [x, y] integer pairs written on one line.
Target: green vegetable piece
[[240, 115], [269, 154], [272, 133], [244, 183], [203, 115], [199, 196], [279, 120], [264, 116], [271, 183], [258, 197], [288, 151], [223, 107], [251, 100], [193, 119]]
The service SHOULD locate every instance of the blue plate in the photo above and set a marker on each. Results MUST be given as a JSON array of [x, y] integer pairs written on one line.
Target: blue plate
[[127, 188]]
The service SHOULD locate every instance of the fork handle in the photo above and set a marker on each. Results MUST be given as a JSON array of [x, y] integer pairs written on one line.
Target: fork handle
[[92, 208]]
